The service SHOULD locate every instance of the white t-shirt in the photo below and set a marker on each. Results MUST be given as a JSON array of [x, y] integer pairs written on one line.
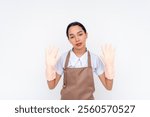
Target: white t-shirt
[[77, 62]]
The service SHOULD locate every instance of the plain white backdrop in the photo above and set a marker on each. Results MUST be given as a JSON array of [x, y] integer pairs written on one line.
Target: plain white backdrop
[[27, 27]]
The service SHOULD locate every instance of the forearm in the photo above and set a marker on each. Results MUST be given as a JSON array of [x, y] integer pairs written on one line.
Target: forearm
[[107, 83], [53, 83]]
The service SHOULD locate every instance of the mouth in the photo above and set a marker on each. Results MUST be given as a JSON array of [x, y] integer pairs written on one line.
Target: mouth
[[78, 44]]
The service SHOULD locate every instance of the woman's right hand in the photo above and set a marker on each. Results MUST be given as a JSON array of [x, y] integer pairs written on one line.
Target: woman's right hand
[[51, 56]]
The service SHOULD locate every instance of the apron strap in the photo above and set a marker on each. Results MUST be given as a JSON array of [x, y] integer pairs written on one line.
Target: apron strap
[[67, 60], [89, 59], [66, 64]]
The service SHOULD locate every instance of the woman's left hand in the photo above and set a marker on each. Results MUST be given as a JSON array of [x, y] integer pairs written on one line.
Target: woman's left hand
[[108, 58]]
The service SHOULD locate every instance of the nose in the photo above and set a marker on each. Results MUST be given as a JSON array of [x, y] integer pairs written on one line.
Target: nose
[[77, 38]]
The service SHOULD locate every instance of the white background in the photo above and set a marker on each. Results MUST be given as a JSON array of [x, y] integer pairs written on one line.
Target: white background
[[27, 27]]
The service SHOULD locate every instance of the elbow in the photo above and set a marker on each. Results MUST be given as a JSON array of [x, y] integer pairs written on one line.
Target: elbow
[[109, 88], [109, 85], [51, 87]]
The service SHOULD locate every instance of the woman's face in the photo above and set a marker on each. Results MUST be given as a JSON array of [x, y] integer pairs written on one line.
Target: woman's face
[[77, 37]]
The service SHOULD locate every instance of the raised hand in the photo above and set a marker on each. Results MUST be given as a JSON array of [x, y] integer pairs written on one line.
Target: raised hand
[[108, 59], [51, 56]]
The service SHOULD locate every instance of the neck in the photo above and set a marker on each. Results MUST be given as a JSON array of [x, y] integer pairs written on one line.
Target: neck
[[79, 52]]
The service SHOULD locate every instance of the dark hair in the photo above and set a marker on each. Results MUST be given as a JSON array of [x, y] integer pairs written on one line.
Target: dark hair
[[74, 24]]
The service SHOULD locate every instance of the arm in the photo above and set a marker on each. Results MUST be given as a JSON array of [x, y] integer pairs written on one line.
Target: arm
[[107, 83], [51, 75]]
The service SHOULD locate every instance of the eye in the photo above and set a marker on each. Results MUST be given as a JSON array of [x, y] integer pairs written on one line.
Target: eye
[[80, 34], [71, 37]]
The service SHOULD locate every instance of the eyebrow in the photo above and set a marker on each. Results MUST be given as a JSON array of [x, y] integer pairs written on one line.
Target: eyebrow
[[77, 33]]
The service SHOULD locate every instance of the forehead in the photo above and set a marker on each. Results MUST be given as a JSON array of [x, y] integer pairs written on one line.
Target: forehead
[[74, 29]]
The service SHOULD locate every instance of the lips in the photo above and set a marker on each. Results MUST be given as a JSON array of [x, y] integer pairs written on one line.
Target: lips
[[78, 44]]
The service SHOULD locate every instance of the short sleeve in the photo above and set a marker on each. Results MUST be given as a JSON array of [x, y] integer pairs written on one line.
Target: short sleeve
[[59, 67], [60, 64], [99, 66]]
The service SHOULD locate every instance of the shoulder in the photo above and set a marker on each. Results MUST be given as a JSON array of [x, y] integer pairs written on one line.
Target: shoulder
[[94, 56], [62, 57], [95, 60]]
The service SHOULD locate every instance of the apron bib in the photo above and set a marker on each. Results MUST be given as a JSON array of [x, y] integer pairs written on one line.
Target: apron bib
[[78, 83]]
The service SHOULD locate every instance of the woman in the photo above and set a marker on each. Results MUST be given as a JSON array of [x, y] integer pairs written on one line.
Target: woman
[[78, 66]]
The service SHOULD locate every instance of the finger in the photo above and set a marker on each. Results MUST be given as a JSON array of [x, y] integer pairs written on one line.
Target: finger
[[52, 52], [57, 57], [112, 50], [51, 49], [103, 50], [113, 53], [46, 52], [55, 52], [101, 57], [109, 47], [46, 55], [106, 47], [102, 53]]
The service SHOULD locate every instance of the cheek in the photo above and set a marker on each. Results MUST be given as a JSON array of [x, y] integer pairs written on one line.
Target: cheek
[[71, 41], [84, 39], [85, 36]]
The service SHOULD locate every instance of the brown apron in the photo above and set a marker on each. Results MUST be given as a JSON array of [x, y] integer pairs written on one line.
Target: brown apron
[[78, 82]]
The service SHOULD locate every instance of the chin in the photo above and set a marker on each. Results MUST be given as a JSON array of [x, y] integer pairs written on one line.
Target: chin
[[80, 48]]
